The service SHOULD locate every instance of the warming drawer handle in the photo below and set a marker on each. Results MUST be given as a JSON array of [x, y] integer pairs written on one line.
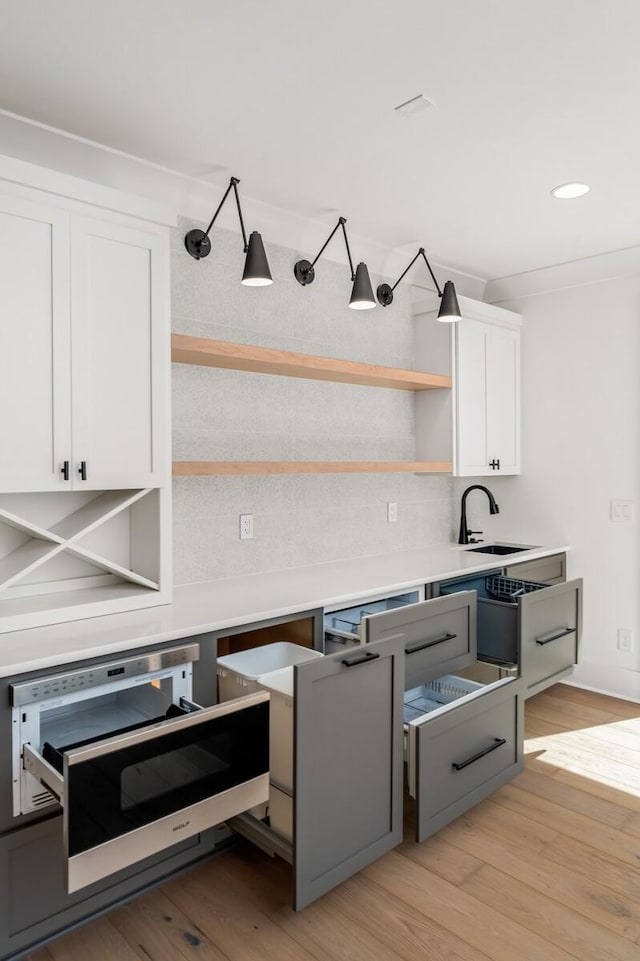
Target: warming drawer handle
[[423, 645], [555, 637], [360, 659], [497, 742]]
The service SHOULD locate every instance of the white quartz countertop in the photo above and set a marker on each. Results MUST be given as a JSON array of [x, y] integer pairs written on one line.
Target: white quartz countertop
[[228, 602]]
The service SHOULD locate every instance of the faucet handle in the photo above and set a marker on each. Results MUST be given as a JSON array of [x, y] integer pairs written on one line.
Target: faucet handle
[[474, 540]]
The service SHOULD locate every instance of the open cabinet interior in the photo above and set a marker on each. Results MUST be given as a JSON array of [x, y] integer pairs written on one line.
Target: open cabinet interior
[[299, 631], [60, 551]]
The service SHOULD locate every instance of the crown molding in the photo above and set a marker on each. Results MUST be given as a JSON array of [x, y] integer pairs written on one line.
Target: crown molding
[[472, 310], [26, 174], [183, 195], [613, 265]]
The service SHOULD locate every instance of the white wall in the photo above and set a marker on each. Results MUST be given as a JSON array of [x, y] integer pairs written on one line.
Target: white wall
[[234, 415], [581, 442]]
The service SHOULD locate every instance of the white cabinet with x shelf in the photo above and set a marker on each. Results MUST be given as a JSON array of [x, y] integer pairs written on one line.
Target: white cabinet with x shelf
[[84, 390]]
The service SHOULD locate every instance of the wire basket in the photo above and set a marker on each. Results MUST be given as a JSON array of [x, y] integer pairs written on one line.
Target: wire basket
[[508, 588]]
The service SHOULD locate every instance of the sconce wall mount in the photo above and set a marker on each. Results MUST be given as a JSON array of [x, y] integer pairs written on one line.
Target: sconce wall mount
[[449, 309], [362, 292], [256, 268]]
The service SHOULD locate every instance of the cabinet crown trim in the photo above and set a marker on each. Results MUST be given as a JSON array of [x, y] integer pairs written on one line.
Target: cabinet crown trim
[[475, 310], [25, 174]]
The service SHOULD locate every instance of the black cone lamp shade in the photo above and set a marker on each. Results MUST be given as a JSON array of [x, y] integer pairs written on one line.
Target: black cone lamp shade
[[362, 293], [256, 266], [449, 309]]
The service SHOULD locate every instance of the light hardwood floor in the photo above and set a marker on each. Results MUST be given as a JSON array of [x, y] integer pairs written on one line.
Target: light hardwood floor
[[547, 869]]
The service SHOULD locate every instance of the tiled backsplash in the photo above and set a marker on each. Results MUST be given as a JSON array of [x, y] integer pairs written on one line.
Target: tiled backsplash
[[233, 415]]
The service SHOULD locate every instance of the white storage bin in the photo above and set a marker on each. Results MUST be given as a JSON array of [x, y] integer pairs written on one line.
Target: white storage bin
[[238, 673], [281, 812], [279, 684]]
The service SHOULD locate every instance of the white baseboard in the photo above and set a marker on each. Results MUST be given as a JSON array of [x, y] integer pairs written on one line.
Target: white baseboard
[[606, 679]]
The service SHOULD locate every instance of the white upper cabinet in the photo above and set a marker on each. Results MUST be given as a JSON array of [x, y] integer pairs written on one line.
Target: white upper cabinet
[[85, 469], [84, 353], [119, 354], [479, 426], [35, 382]]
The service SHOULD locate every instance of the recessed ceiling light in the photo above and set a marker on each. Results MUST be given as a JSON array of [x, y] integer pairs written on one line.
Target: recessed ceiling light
[[570, 191], [413, 106]]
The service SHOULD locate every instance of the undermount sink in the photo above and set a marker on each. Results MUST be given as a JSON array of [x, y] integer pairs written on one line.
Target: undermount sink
[[496, 549]]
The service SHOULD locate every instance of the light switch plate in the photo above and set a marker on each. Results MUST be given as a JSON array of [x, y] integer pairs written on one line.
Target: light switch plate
[[392, 512], [625, 639], [621, 510]]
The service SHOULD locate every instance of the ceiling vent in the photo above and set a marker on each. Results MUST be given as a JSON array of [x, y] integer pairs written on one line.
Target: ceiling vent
[[411, 107]]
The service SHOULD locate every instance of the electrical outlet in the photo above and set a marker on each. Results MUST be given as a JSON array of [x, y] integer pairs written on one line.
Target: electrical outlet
[[625, 640], [621, 510], [246, 527], [392, 512]]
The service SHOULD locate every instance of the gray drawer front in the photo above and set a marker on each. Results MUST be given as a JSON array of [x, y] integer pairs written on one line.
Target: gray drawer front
[[348, 765], [467, 735], [439, 636], [550, 627], [546, 570]]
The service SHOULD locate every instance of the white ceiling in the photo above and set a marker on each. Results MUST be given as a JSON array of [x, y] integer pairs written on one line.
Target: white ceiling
[[297, 99]]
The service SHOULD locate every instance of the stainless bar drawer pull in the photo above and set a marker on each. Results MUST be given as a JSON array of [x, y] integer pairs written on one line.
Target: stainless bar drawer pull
[[423, 645], [497, 742], [555, 637], [360, 659]]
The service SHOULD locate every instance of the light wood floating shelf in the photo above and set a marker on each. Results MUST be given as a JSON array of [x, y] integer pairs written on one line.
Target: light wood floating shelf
[[207, 468], [264, 360]]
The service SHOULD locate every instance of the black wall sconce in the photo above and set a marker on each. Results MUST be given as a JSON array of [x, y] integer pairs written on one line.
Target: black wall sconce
[[362, 292], [449, 309], [256, 267]]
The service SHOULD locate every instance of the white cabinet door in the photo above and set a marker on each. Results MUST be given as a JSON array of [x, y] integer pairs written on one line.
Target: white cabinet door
[[503, 400], [488, 398], [471, 385], [120, 355], [35, 421]]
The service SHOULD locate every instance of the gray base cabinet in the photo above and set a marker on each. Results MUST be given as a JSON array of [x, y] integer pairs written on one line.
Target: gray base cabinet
[[538, 631], [348, 745], [464, 738], [35, 906], [353, 713], [459, 755]]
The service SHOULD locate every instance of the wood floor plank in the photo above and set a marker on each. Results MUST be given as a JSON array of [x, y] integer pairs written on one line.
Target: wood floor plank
[[106, 944], [568, 714], [490, 931], [617, 740], [540, 914], [320, 929], [158, 931], [577, 695], [241, 930], [495, 838], [41, 955], [602, 786], [568, 928], [400, 926], [587, 764], [604, 838], [574, 799]]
